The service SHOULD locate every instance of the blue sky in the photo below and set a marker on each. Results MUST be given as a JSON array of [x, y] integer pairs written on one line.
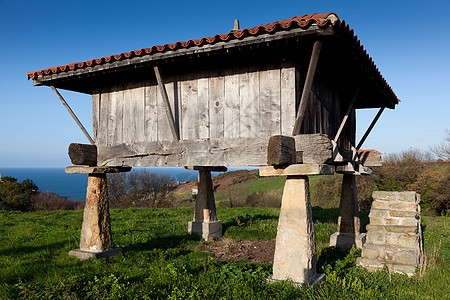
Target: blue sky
[[408, 40]]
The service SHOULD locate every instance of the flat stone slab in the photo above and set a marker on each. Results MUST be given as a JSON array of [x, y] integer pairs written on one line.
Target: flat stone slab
[[208, 230], [345, 241], [84, 254], [95, 170], [297, 169], [315, 279]]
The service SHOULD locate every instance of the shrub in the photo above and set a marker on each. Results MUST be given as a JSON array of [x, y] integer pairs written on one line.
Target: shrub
[[47, 201], [139, 189]]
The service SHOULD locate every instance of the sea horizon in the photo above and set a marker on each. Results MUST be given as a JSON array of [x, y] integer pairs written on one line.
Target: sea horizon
[[73, 186]]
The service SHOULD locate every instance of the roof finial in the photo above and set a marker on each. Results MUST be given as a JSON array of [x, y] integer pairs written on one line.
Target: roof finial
[[236, 24]]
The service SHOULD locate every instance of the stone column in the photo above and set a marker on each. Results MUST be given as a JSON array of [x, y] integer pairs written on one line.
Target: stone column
[[96, 229], [295, 250], [205, 223], [95, 240], [349, 224]]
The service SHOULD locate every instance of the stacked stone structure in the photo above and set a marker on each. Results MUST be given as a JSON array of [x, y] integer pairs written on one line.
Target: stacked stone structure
[[394, 235]]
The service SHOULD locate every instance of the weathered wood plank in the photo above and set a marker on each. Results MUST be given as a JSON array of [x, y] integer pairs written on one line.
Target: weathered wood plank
[[297, 169], [203, 108], [189, 104], [95, 114], [232, 105], [269, 84], [115, 116], [103, 118], [209, 152], [96, 170], [287, 98], [216, 105], [249, 103], [151, 113]]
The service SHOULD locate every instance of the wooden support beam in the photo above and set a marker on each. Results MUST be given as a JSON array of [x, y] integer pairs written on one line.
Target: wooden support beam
[[73, 115], [370, 128], [83, 154], [307, 88], [208, 168], [349, 110], [281, 151], [170, 117]]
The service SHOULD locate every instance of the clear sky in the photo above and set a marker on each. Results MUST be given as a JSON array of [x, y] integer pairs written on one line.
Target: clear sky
[[408, 40]]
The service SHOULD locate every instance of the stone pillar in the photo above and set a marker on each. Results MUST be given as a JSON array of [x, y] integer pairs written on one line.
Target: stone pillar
[[205, 223], [349, 224], [96, 229], [95, 240], [295, 251]]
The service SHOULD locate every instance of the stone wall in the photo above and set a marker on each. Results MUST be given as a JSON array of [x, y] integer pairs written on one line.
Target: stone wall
[[394, 235]]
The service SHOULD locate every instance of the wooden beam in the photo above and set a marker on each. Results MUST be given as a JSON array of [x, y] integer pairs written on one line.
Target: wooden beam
[[83, 154], [297, 169], [170, 117], [307, 88], [73, 115], [349, 110], [316, 149], [370, 128]]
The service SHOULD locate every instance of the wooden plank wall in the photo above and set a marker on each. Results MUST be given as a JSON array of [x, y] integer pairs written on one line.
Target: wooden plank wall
[[248, 102]]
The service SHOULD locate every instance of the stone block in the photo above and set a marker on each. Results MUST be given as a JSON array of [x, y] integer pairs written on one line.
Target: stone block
[[405, 257], [345, 241], [384, 196], [84, 254], [380, 204], [402, 206], [411, 197], [379, 213], [404, 214], [208, 230]]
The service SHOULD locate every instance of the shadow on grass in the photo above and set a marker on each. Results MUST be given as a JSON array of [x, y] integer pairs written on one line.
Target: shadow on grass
[[163, 243], [22, 250], [240, 220], [325, 215]]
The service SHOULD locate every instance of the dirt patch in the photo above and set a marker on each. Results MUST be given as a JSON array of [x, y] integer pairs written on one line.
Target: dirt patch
[[256, 251]]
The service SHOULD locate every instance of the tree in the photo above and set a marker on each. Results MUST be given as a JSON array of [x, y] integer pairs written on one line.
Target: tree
[[442, 150], [14, 195]]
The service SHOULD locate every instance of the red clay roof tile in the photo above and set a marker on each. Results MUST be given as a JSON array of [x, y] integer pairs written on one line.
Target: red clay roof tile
[[322, 20]]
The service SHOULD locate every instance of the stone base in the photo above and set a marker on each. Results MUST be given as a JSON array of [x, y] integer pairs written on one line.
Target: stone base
[[312, 281], [376, 265], [84, 254], [345, 241], [208, 230]]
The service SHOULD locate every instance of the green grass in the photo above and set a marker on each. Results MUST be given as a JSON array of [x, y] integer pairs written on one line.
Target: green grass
[[161, 261]]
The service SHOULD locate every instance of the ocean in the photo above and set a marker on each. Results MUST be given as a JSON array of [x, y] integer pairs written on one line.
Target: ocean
[[73, 186]]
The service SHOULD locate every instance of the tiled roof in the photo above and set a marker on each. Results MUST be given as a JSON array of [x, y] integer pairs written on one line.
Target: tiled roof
[[322, 20]]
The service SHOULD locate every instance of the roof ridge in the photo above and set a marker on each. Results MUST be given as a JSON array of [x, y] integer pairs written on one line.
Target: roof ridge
[[321, 19]]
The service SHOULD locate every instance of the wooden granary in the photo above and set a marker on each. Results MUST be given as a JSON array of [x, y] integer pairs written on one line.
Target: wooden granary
[[281, 95]]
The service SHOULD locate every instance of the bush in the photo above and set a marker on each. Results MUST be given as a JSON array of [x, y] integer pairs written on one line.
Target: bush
[[47, 201], [139, 189], [14, 195]]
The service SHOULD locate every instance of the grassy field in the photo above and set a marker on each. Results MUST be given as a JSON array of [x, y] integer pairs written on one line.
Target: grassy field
[[162, 261]]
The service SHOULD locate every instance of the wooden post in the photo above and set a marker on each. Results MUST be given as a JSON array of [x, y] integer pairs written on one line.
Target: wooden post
[[349, 110], [170, 117], [307, 88], [349, 224], [366, 134], [205, 223], [72, 114]]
